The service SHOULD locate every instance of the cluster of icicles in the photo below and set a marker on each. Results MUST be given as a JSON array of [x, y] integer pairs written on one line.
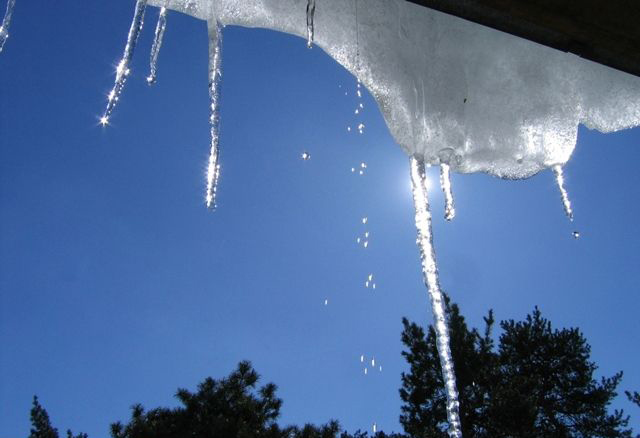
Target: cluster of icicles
[[417, 166]]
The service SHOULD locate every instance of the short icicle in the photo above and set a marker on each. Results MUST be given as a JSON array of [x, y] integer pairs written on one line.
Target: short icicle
[[566, 203], [215, 72], [430, 273], [6, 21], [445, 183], [311, 10], [122, 71], [157, 45]]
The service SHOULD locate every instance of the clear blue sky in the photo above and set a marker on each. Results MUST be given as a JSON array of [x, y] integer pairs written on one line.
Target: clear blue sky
[[117, 285]]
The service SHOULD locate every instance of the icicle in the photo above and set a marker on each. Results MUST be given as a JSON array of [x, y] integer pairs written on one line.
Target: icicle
[[430, 273], [566, 203], [6, 21], [122, 71], [215, 60], [157, 44], [445, 183], [311, 10]]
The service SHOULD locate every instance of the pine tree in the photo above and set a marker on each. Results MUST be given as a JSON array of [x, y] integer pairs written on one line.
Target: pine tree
[[536, 383]]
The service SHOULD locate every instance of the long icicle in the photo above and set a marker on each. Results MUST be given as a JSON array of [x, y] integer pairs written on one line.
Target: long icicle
[[157, 45], [445, 183], [566, 203], [430, 273], [6, 21], [122, 71], [215, 72], [311, 10]]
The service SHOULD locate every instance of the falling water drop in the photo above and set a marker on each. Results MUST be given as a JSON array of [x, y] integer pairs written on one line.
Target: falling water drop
[[365, 220], [358, 240], [576, 234], [366, 243], [311, 10], [430, 273], [157, 45], [122, 71], [6, 21], [380, 368], [366, 234], [305, 155], [362, 358], [348, 128], [445, 183], [374, 427], [365, 371], [373, 362], [373, 286], [361, 128], [215, 71], [566, 203], [326, 302]]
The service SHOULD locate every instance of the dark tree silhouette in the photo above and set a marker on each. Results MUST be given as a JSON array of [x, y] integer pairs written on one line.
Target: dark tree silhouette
[[231, 407], [41, 425], [537, 383]]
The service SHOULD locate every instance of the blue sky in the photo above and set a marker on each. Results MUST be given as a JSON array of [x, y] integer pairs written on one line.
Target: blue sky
[[117, 285]]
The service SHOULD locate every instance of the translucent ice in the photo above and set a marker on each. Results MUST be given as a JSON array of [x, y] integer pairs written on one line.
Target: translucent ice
[[6, 21], [157, 45], [504, 105]]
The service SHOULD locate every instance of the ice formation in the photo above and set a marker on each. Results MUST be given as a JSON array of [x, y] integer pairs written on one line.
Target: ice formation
[[157, 45], [430, 274], [122, 70], [6, 21], [503, 105], [453, 93]]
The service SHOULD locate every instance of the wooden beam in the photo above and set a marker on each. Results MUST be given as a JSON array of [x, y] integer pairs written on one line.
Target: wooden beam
[[604, 31]]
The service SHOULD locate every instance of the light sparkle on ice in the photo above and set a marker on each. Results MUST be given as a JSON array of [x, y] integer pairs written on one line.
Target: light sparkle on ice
[[6, 21], [430, 273], [157, 45], [215, 72], [122, 70], [445, 183], [566, 203]]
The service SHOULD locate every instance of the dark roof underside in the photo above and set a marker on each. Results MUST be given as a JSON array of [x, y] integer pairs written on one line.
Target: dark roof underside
[[604, 31]]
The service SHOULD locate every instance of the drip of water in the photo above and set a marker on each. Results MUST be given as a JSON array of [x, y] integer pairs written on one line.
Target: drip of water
[[430, 273], [445, 183], [305, 155], [566, 203], [326, 302], [576, 234], [365, 220], [122, 71], [374, 427], [157, 45], [215, 72], [362, 358], [311, 10], [6, 21]]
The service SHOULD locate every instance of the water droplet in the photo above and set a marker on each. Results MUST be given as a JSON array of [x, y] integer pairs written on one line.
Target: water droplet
[[326, 302], [361, 105], [576, 234], [348, 128], [365, 371], [358, 240], [365, 220], [373, 286], [361, 172], [363, 165], [366, 283], [380, 368], [305, 155], [373, 362], [357, 111], [366, 243], [362, 358], [366, 234], [370, 277], [353, 169]]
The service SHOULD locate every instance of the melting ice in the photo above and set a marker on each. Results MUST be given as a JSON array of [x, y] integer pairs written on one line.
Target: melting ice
[[6, 21], [394, 48]]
